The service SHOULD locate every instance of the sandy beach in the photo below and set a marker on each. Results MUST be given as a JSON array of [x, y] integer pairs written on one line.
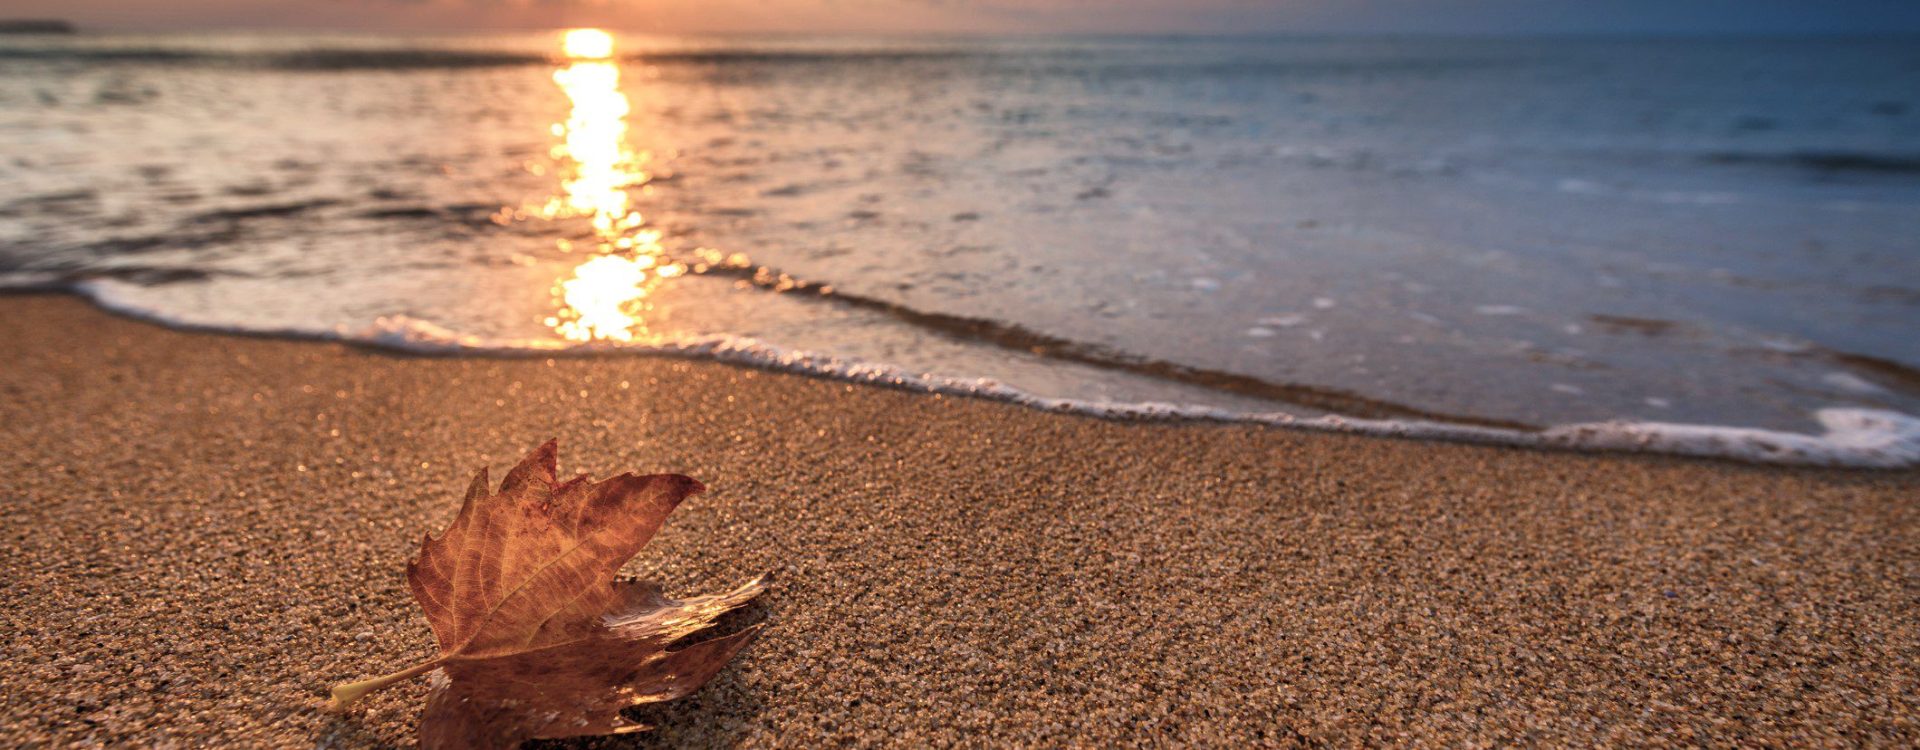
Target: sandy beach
[[205, 532]]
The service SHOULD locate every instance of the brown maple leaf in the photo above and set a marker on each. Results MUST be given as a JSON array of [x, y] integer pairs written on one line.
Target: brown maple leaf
[[537, 639]]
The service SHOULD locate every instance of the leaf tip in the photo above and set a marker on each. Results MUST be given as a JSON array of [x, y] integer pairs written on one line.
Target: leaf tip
[[478, 488], [682, 487], [543, 463]]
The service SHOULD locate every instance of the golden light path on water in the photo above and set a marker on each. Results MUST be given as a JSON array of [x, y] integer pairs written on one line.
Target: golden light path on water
[[605, 297]]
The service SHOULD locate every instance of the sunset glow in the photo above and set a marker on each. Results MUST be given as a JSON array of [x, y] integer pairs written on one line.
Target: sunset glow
[[600, 297], [604, 297], [596, 143]]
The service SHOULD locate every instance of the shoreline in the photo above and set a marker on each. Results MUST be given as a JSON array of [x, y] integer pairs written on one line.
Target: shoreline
[[1856, 438], [206, 531]]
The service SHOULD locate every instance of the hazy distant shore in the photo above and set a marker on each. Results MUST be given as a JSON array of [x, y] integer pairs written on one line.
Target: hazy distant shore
[[36, 26], [205, 531]]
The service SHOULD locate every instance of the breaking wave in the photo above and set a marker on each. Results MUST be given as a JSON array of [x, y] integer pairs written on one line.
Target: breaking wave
[[1851, 437]]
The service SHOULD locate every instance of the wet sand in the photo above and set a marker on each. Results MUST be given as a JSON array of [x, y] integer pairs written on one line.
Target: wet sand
[[204, 532]]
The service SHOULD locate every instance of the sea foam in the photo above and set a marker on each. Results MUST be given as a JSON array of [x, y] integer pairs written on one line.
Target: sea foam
[[1863, 438], [1857, 438]]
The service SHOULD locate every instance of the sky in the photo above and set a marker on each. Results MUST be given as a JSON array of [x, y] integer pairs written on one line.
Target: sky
[[999, 16]]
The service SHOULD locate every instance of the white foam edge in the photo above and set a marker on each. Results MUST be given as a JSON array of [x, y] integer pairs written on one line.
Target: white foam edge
[[1852, 437]]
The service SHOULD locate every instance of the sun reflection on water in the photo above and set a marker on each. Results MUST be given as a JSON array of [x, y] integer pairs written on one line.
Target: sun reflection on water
[[605, 297]]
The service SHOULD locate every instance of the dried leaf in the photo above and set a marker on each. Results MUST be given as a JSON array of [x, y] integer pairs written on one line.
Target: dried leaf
[[537, 639]]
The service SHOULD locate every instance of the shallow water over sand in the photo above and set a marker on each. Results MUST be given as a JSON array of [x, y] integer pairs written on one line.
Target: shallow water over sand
[[1504, 233]]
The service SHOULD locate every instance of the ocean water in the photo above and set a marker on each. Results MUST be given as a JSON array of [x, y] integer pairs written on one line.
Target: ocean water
[[1693, 245]]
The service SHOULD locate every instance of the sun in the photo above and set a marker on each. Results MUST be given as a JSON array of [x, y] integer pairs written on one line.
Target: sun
[[588, 44]]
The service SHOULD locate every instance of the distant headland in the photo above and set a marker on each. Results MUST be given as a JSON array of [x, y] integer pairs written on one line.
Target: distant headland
[[36, 26]]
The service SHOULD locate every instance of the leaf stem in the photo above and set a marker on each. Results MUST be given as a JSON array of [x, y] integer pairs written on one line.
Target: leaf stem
[[345, 694]]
